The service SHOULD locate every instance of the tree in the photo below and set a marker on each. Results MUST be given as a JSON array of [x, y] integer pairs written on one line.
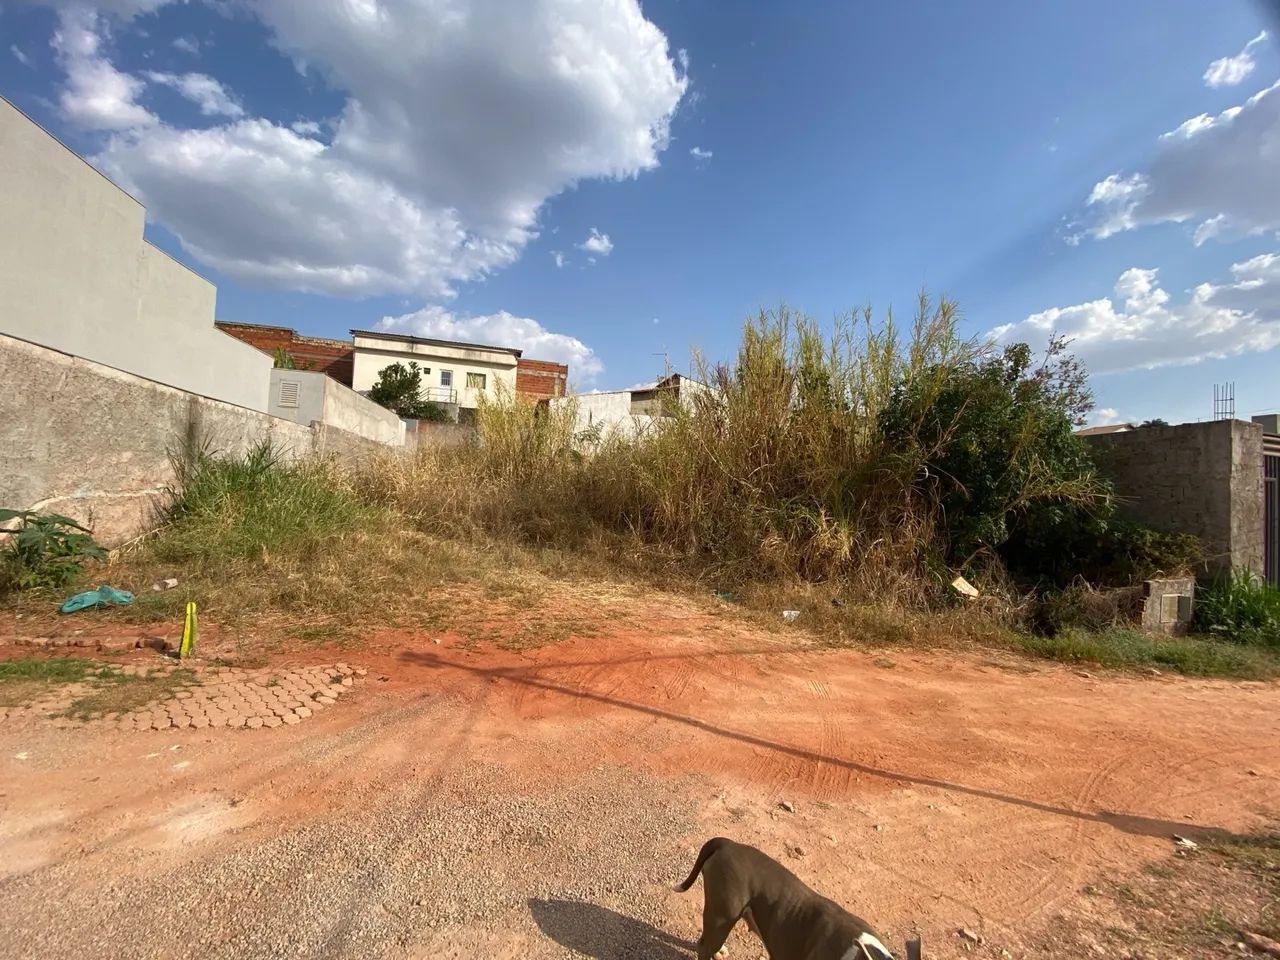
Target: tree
[[284, 360], [399, 389], [996, 445], [1154, 422]]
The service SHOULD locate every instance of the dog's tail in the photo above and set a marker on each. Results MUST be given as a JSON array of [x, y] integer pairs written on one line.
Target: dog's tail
[[708, 848]]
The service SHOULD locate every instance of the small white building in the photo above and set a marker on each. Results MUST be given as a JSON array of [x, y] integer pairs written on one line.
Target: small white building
[[451, 373], [632, 412]]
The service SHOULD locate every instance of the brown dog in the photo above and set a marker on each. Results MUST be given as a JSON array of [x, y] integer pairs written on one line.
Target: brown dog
[[795, 923]]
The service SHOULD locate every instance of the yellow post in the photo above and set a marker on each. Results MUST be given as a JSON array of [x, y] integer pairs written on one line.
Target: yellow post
[[188, 633]]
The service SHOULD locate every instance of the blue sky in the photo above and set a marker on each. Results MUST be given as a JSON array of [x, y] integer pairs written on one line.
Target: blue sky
[[1107, 170]]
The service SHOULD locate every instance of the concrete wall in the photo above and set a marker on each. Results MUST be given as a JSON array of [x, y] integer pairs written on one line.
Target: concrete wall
[[76, 275], [1199, 478], [609, 413], [498, 367], [95, 443], [321, 398]]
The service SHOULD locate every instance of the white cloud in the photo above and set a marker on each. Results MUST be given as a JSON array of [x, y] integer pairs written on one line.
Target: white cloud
[[201, 89], [558, 257], [1221, 173], [97, 95], [187, 45], [307, 128], [1145, 330], [699, 154], [1105, 417], [597, 242], [1229, 71], [21, 57], [459, 122], [504, 330]]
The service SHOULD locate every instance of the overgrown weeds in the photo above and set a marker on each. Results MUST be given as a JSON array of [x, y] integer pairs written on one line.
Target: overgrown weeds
[[867, 460], [1195, 656], [1240, 608]]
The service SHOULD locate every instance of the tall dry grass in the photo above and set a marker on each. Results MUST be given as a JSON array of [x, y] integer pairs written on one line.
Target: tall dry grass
[[777, 471]]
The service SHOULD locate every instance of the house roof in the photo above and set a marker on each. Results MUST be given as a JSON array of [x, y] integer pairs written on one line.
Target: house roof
[[1109, 428], [405, 338]]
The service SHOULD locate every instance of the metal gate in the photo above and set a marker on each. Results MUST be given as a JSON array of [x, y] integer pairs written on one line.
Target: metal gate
[[1271, 507]]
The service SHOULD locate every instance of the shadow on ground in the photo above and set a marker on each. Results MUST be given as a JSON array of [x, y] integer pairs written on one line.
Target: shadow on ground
[[599, 932]]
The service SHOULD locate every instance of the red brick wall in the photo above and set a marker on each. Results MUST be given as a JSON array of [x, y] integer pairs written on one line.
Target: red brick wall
[[334, 357], [538, 379]]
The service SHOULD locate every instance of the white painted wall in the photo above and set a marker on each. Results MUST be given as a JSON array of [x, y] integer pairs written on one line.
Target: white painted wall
[[324, 400], [76, 276], [373, 354], [610, 412]]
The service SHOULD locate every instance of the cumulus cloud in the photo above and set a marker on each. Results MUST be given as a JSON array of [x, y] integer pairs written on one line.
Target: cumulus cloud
[[1229, 71], [1220, 172], [558, 257], [501, 329], [202, 90], [1105, 417], [18, 55], [1140, 328], [187, 45], [699, 154], [598, 243], [97, 96], [308, 128], [459, 122]]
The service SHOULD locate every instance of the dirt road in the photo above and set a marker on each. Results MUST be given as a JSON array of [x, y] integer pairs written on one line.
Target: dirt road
[[480, 802]]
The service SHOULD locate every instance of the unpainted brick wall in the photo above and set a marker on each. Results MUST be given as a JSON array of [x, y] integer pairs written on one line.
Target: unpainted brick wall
[[1199, 478], [541, 379], [332, 357]]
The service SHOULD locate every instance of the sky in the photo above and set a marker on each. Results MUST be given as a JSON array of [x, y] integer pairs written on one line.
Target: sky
[[616, 185]]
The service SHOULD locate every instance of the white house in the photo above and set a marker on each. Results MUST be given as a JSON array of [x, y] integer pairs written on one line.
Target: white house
[[634, 411], [451, 373]]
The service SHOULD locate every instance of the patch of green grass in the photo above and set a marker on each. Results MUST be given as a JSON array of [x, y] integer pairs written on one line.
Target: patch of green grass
[[1240, 608], [111, 690], [68, 670], [322, 633], [232, 508], [115, 692], [1193, 655], [22, 681]]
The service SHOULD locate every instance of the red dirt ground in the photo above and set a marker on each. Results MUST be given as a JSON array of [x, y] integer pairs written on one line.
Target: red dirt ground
[[930, 790]]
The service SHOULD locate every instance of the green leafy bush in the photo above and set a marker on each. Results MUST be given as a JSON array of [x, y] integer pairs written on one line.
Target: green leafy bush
[[1240, 608], [399, 389], [45, 550], [1058, 543], [995, 435]]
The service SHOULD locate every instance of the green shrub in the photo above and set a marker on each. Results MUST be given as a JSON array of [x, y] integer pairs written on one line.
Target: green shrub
[[1240, 608], [1194, 656], [997, 449], [45, 550], [237, 507], [1059, 543]]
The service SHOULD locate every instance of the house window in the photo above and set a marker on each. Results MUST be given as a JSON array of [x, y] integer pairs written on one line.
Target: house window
[[446, 378], [475, 381]]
